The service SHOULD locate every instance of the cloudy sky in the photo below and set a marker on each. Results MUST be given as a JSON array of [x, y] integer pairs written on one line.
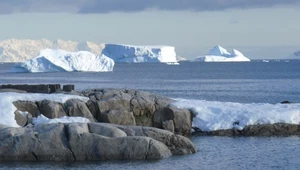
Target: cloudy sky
[[258, 28]]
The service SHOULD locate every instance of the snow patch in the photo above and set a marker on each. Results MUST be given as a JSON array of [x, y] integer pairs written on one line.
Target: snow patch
[[7, 107], [50, 60], [213, 115], [139, 54], [220, 54], [65, 119]]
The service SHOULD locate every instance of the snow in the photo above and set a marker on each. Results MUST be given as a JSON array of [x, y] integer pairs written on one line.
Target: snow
[[7, 107], [220, 54], [65, 119], [50, 60], [140, 54], [214, 115]]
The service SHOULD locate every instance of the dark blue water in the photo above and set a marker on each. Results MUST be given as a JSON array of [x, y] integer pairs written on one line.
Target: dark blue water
[[253, 82]]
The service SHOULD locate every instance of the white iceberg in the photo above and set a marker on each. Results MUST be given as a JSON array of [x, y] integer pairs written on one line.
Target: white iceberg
[[50, 60], [140, 54], [220, 54]]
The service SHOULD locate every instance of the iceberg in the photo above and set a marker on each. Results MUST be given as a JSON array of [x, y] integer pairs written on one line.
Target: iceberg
[[295, 55], [220, 54], [140, 54], [50, 60]]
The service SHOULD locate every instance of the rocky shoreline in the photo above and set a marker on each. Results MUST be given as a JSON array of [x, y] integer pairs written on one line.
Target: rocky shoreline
[[124, 124]]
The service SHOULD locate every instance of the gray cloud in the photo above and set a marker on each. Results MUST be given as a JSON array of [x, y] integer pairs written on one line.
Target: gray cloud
[[106, 6]]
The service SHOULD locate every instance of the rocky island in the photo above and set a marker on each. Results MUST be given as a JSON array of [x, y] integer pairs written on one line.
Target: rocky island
[[113, 124]]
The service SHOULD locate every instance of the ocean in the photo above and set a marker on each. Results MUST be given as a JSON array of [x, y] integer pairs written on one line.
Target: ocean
[[254, 84]]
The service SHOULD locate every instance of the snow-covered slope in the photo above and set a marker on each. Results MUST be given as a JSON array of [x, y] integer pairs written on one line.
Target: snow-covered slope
[[220, 54], [139, 54], [20, 50], [50, 60]]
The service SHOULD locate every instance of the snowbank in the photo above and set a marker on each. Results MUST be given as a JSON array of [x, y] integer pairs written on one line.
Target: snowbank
[[220, 54], [7, 107], [50, 60], [212, 115], [65, 119], [139, 54]]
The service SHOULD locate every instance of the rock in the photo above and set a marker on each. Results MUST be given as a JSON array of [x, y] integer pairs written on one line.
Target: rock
[[118, 117], [114, 100], [106, 130], [116, 106], [168, 125], [181, 118], [28, 106], [277, 129], [77, 107], [20, 119], [179, 145], [51, 109], [93, 107], [40, 143], [285, 102], [93, 141]]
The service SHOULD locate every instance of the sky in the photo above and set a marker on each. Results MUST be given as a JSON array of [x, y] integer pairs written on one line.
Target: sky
[[258, 28]]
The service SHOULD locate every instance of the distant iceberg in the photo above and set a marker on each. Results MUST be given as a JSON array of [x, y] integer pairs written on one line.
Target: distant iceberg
[[140, 54], [295, 55], [50, 60], [220, 54]]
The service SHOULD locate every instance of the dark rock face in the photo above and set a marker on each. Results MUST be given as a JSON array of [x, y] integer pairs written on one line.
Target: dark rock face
[[277, 129], [94, 141], [123, 107]]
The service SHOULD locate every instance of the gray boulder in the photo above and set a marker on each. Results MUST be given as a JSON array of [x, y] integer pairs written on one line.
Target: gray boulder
[[21, 119], [118, 117], [51, 109], [28, 106], [77, 107]]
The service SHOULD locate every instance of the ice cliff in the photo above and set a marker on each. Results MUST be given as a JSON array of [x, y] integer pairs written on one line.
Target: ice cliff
[[220, 54], [50, 60], [139, 54]]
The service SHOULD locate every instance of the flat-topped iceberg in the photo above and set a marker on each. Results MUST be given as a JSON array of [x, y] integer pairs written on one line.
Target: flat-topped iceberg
[[140, 54], [50, 60], [220, 54]]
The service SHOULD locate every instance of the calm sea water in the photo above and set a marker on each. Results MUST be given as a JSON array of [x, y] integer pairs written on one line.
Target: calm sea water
[[253, 82]]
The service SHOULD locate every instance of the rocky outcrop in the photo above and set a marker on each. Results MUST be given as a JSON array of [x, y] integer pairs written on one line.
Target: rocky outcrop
[[131, 107], [277, 129], [93, 141], [123, 107]]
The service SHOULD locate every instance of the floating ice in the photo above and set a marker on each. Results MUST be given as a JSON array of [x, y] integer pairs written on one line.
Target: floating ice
[[220, 54], [50, 60], [140, 54]]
